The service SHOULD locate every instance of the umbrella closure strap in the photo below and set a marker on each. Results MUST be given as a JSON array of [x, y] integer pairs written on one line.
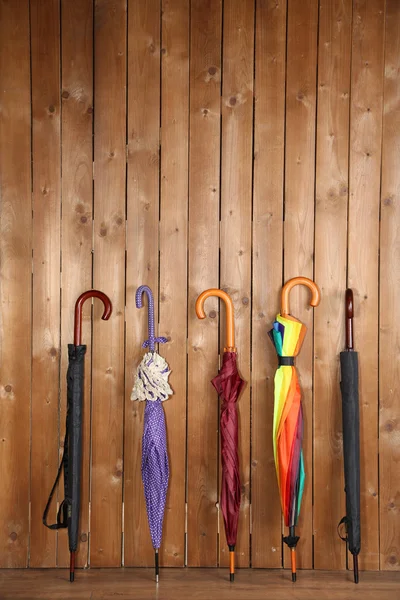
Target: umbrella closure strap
[[286, 361]]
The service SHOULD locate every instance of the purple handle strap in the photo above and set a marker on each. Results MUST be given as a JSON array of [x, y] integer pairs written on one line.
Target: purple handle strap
[[152, 339]]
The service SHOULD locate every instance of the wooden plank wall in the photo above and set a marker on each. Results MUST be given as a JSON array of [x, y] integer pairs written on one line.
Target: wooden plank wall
[[187, 145]]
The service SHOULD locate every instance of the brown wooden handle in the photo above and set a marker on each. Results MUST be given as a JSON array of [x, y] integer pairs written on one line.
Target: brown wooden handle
[[349, 319], [78, 311], [315, 298], [230, 335]]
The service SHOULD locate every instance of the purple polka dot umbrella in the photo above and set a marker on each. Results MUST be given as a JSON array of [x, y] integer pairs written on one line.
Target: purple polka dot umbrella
[[151, 385]]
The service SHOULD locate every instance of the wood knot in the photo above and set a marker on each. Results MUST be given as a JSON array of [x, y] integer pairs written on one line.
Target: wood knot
[[13, 536], [52, 109], [245, 301], [53, 352], [65, 95], [232, 100], [389, 426], [212, 70], [83, 537], [212, 314], [8, 388]]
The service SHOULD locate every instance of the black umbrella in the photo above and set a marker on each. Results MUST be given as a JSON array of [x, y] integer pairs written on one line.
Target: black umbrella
[[68, 513], [351, 438]]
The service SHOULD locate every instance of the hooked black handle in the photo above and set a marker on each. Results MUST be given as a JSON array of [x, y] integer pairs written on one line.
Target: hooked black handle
[[349, 319]]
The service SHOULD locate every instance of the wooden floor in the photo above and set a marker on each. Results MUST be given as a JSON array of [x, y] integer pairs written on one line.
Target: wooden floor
[[195, 584]]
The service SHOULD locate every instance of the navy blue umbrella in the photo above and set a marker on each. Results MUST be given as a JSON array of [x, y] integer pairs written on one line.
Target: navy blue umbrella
[[351, 438], [68, 513]]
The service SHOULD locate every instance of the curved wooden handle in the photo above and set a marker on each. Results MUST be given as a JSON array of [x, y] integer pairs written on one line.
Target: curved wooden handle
[[78, 311], [230, 335], [315, 298], [349, 319]]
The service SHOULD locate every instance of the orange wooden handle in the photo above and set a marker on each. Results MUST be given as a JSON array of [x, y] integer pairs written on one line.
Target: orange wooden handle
[[230, 335], [315, 298]]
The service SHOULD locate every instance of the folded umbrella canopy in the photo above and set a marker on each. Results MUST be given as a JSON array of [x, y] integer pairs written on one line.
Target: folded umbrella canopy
[[287, 336], [68, 513], [228, 385], [151, 385], [351, 437]]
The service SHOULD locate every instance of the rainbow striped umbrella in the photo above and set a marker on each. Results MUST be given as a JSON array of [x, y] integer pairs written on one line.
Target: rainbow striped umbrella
[[287, 335]]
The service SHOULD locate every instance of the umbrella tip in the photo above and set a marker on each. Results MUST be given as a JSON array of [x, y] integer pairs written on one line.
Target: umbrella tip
[[156, 564], [355, 567], [231, 576], [294, 577], [72, 566]]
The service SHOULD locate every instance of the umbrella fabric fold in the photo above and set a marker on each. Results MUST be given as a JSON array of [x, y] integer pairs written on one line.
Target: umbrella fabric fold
[[351, 437], [68, 512], [75, 383], [151, 385], [228, 385], [287, 336]]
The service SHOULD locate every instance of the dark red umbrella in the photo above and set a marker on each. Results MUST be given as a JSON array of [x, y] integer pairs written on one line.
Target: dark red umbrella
[[228, 385]]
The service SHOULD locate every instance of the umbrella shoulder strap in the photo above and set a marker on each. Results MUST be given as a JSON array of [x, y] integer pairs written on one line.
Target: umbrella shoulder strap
[[344, 521], [62, 514]]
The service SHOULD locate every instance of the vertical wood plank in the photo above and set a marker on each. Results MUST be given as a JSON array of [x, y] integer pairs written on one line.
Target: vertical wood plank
[[389, 342], [270, 64], [108, 276], [46, 165], [236, 212], [204, 169], [299, 219], [76, 228], [173, 259], [15, 281], [365, 165], [332, 165], [142, 251]]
